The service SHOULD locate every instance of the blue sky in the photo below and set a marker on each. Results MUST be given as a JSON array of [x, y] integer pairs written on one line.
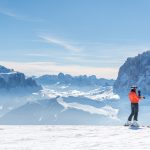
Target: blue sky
[[72, 36]]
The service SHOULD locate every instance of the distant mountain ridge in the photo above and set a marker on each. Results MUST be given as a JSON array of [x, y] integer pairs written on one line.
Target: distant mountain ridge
[[66, 79]]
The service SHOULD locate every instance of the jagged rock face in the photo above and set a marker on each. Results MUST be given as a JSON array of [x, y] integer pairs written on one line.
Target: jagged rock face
[[135, 71], [5, 70], [10, 79]]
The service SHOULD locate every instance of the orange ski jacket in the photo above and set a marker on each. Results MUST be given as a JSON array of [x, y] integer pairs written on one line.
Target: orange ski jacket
[[134, 98]]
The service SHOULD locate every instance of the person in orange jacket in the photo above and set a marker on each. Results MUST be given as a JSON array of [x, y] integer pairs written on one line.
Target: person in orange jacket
[[134, 99]]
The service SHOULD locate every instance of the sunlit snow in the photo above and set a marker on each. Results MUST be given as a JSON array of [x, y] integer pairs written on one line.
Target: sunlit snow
[[73, 138]]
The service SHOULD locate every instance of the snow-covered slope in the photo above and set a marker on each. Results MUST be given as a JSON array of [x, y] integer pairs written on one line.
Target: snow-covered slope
[[73, 138], [135, 71], [70, 110], [66, 79], [66, 104]]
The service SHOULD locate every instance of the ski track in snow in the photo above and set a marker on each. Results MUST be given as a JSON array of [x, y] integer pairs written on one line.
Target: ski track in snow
[[73, 138]]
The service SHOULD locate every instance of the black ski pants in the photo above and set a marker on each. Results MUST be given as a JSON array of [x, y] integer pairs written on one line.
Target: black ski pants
[[134, 111]]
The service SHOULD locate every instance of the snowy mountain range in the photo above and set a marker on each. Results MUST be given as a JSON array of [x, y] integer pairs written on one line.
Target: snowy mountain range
[[64, 99], [135, 71], [69, 110], [66, 79], [58, 99]]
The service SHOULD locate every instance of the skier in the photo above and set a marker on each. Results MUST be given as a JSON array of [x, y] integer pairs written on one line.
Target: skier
[[134, 99]]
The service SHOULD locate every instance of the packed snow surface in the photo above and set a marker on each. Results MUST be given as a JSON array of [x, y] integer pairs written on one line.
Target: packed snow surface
[[74, 138]]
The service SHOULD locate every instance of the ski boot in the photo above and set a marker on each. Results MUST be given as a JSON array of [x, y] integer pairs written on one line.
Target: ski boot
[[135, 124], [128, 123]]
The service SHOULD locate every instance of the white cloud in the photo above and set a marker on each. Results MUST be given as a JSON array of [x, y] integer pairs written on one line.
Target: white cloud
[[40, 68], [60, 42], [12, 14]]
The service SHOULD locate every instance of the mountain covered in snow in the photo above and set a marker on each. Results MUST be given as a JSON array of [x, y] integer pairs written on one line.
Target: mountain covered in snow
[[67, 110], [66, 99], [135, 71], [63, 105], [66, 79], [11, 80], [61, 99]]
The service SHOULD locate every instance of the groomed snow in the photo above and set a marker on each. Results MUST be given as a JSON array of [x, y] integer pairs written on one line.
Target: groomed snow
[[73, 138]]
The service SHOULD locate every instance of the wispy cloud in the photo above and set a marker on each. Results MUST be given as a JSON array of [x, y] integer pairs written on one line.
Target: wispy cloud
[[11, 13], [40, 68], [37, 54], [60, 42], [8, 13]]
